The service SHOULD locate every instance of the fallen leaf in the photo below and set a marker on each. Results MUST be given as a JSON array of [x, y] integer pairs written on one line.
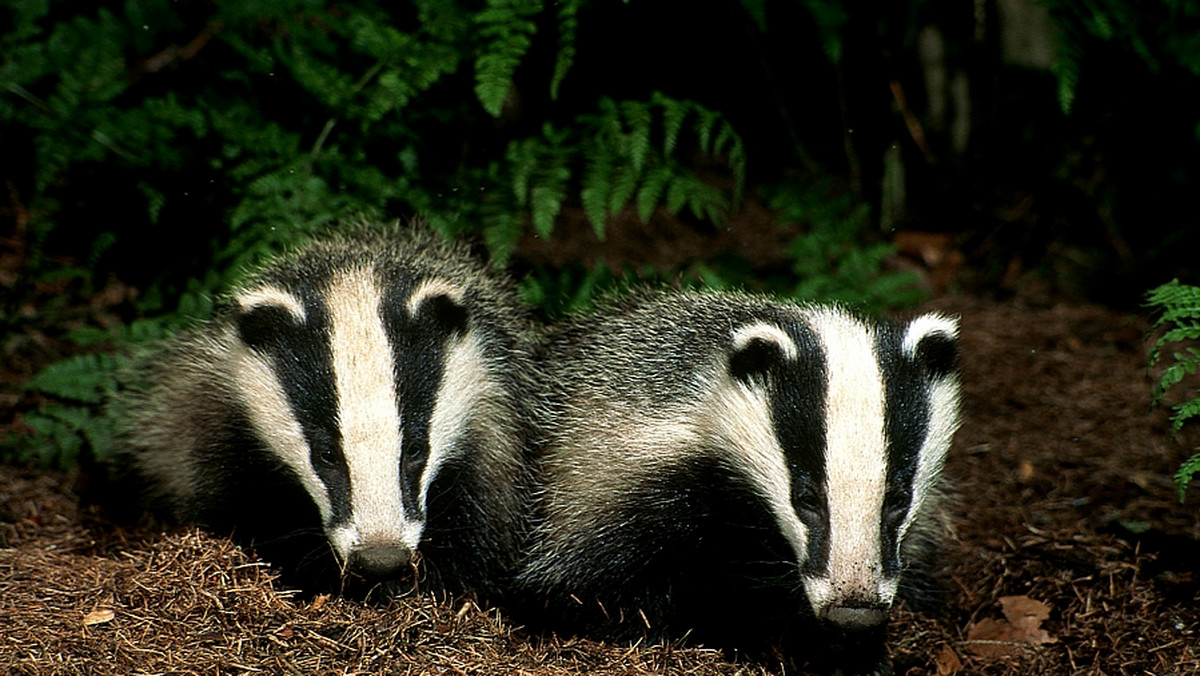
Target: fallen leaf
[[98, 616], [1026, 616], [947, 662], [319, 601], [1021, 628], [1025, 472]]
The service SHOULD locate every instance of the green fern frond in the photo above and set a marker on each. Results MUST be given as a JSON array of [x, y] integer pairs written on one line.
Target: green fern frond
[[597, 182], [568, 25], [1173, 375], [757, 11], [624, 184], [673, 115], [706, 122], [546, 201], [1177, 307], [624, 165], [540, 175], [830, 16], [651, 191], [501, 232], [85, 378], [1183, 413], [506, 29], [638, 119], [1189, 469]]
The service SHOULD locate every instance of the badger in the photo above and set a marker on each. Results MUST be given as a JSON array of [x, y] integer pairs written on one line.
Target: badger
[[740, 471], [353, 408]]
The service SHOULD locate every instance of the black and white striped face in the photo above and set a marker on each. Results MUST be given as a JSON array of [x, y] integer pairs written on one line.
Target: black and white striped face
[[358, 385], [843, 427]]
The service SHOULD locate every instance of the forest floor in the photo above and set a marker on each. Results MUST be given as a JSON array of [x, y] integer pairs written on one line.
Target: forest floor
[[1073, 553]]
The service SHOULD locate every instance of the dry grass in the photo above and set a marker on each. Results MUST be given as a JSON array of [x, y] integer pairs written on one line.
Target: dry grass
[[80, 599], [1059, 465]]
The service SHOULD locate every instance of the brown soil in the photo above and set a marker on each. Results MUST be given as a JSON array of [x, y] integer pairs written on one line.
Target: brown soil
[[1073, 554]]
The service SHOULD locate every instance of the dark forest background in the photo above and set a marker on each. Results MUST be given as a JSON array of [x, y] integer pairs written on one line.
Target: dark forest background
[[871, 153]]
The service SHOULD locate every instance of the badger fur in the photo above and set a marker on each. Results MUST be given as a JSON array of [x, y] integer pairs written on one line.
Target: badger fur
[[739, 470], [350, 406]]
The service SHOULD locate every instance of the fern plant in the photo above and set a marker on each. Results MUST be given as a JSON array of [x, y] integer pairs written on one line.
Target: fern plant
[[1178, 317], [1136, 27], [836, 257], [630, 152]]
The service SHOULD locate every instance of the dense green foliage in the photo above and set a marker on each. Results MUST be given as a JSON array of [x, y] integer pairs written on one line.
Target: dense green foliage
[[1161, 34], [1177, 307], [215, 134]]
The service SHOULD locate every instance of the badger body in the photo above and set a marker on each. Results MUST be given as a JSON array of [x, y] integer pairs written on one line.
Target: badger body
[[354, 407], [739, 471]]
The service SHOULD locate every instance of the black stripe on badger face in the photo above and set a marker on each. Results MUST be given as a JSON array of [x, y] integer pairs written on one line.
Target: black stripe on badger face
[[789, 368], [422, 324], [906, 411], [290, 389], [919, 362]]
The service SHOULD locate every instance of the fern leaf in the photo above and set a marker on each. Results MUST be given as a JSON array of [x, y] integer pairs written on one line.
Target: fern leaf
[[674, 113], [1066, 67], [546, 202], [651, 191], [624, 184], [677, 194], [706, 201], [757, 11], [704, 129], [522, 159], [830, 16], [85, 378], [1183, 477], [568, 25], [501, 232], [1184, 412], [595, 200], [507, 30], [639, 118]]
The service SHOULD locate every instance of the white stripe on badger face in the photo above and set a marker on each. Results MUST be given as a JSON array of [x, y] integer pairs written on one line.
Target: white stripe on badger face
[[741, 415], [464, 383], [766, 333], [429, 288], [464, 386], [926, 325], [368, 416], [270, 296], [943, 412], [267, 403], [855, 466]]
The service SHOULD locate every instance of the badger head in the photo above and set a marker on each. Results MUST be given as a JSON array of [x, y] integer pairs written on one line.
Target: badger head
[[357, 385], [842, 427]]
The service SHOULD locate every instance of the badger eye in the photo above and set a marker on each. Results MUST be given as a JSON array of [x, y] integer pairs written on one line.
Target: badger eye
[[807, 502], [327, 457], [325, 452], [895, 509]]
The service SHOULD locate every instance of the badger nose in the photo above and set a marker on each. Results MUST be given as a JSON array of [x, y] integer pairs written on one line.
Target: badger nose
[[856, 617], [379, 560]]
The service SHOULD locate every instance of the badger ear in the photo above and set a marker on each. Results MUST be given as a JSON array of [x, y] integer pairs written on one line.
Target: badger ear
[[263, 314], [932, 341], [756, 348], [440, 304], [446, 312]]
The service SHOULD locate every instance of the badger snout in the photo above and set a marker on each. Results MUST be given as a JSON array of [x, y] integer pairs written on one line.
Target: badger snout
[[857, 604], [379, 560], [856, 616]]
